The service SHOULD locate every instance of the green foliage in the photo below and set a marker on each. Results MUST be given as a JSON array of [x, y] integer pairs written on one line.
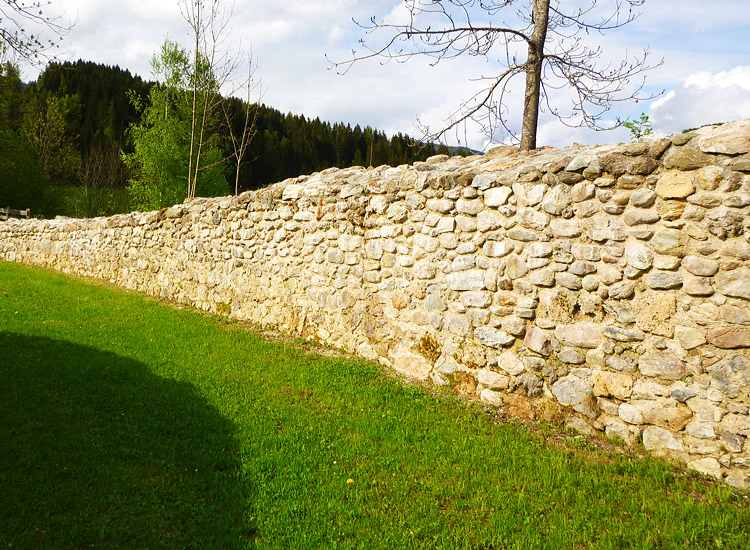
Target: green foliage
[[23, 182], [639, 128], [160, 161], [131, 424]]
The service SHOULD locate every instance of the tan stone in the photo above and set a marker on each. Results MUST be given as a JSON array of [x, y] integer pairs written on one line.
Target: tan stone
[[411, 363], [676, 185], [612, 384], [729, 337], [654, 311]]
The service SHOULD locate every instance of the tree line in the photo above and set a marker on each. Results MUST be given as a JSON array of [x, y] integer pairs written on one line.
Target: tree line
[[65, 140]]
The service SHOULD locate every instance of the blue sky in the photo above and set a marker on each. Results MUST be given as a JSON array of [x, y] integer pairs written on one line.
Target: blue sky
[[705, 74]]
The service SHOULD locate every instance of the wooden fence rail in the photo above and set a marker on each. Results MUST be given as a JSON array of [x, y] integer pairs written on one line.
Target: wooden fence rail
[[5, 213]]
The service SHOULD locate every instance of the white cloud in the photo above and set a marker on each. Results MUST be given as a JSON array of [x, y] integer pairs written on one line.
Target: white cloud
[[704, 98]]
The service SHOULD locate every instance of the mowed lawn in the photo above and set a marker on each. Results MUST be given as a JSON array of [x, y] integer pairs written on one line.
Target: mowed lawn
[[128, 423]]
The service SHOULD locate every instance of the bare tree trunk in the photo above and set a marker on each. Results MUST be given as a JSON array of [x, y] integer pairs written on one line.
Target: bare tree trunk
[[534, 75], [192, 180]]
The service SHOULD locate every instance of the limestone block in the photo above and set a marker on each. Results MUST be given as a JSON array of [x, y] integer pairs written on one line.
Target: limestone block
[[510, 363], [708, 466], [638, 255], [662, 364], [643, 198], [735, 283], [686, 158], [533, 219], [497, 196], [491, 397], [540, 341], [472, 279], [562, 228], [582, 335], [489, 220], [641, 216], [493, 338], [623, 334], [654, 311], [660, 441], [469, 207], [663, 412], [729, 337], [410, 363], [612, 384], [497, 249], [493, 380], [622, 291], [542, 277], [571, 391], [732, 442], [676, 185], [689, 337], [728, 139]]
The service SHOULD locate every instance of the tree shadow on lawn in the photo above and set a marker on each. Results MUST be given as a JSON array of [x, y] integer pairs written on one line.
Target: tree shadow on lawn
[[96, 450]]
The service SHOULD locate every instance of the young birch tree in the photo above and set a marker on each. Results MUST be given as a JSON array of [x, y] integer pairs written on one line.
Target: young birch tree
[[555, 37]]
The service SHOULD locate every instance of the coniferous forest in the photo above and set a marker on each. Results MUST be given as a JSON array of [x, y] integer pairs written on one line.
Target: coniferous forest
[[65, 141]]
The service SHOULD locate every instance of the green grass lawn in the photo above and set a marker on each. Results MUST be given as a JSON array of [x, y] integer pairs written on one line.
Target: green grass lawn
[[127, 423]]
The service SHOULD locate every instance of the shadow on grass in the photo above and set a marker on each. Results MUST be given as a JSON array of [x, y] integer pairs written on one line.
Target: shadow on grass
[[95, 450]]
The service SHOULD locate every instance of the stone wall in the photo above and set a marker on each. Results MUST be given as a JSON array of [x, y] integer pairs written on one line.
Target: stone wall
[[613, 282]]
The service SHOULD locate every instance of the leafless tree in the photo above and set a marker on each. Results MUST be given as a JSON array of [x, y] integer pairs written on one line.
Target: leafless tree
[[240, 140], [20, 19], [213, 78], [554, 34]]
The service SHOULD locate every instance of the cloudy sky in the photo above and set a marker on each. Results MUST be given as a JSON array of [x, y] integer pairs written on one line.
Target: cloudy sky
[[705, 75]]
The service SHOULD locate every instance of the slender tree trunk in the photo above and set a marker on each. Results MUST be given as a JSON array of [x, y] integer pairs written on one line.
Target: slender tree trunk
[[192, 179], [534, 75]]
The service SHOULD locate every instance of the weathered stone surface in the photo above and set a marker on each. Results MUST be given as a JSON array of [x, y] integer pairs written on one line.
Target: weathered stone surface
[[613, 384], [654, 311], [571, 390], [643, 198], [491, 397], [659, 441], [540, 341], [623, 334], [686, 158], [663, 280], [729, 139], [493, 338], [641, 216], [662, 364], [493, 380], [698, 265], [497, 196], [639, 255], [411, 363], [670, 242], [688, 337], [515, 267], [729, 337], [675, 185], [472, 279], [565, 228], [734, 283], [510, 363], [582, 335], [708, 466]]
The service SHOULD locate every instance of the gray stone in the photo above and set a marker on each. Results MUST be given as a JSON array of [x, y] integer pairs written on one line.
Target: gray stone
[[681, 393], [622, 291], [571, 357], [686, 158], [469, 207], [663, 280], [643, 198], [700, 266], [435, 303], [571, 391], [568, 280], [659, 440], [493, 338], [732, 442], [623, 334]]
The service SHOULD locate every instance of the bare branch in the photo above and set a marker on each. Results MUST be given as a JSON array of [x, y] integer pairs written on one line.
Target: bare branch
[[22, 28], [555, 35]]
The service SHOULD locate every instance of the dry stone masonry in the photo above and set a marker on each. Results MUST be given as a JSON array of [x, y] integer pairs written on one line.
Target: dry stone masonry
[[613, 281]]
